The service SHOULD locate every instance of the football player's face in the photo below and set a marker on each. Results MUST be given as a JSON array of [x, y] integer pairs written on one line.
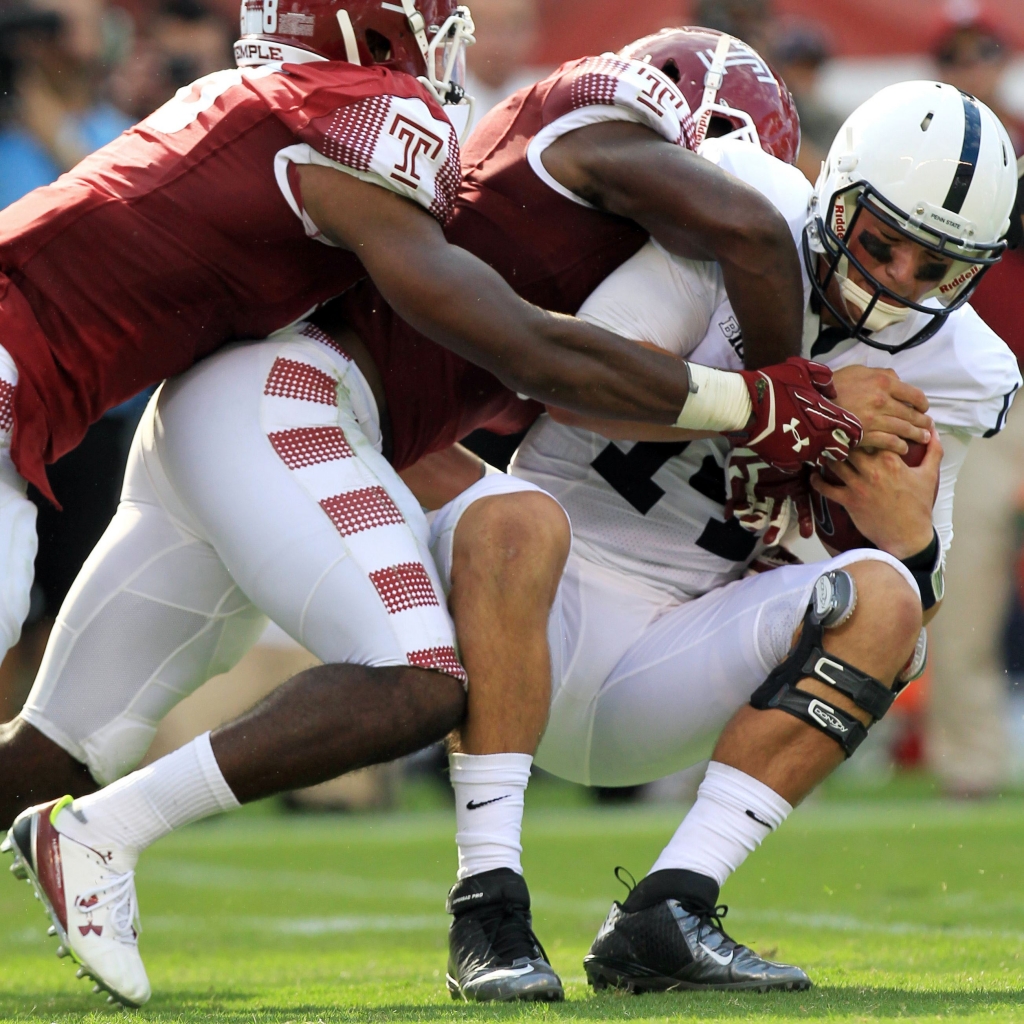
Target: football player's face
[[906, 268]]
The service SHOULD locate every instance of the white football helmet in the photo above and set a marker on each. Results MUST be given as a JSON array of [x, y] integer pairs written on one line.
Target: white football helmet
[[936, 166]]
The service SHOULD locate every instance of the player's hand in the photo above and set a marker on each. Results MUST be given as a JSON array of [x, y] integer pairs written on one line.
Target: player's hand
[[793, 421], [888, 501], [890, 411], [764, 499]]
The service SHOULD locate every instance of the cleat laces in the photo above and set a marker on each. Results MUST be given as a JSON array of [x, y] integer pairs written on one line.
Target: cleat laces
[[508, 930], [119, 896], [710, 919]]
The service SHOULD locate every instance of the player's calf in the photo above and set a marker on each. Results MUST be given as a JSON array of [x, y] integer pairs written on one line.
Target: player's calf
[[858, 634], [35, 769], [508, 553], [858, 638]]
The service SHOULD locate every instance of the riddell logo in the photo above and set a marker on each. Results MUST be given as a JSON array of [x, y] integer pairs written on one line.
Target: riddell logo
[[959, 280], [840, 218], [417, 140]]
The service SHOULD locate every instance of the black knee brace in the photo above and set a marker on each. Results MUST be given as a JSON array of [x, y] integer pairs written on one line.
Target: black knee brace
[[832, 604]]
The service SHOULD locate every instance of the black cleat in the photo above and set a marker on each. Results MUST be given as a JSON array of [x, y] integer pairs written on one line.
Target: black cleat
[[668, 935], [493, 955]]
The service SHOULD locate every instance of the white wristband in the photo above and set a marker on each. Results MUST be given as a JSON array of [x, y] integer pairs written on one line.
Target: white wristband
[[718, 401]]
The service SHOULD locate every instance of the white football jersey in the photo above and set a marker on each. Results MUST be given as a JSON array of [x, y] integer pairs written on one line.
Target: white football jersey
[[655, 510]]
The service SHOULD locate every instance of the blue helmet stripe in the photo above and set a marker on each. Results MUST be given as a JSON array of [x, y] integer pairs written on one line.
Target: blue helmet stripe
[[968, 156]]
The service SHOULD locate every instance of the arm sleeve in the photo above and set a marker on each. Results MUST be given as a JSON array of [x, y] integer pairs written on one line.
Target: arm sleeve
[[609, 88], [954, 444], [396, 142], [658, 298]]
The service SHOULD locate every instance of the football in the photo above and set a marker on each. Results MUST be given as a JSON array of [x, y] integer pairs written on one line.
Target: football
[[832, 523]]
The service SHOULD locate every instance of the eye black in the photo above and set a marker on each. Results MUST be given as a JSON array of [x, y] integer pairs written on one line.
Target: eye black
[[932, 272], [875, 247]]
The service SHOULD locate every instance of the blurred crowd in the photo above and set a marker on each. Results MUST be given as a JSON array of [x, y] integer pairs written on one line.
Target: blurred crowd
[[75, 73]]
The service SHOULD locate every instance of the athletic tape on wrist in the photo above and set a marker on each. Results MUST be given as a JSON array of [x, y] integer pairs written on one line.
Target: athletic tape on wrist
[[717, 401]]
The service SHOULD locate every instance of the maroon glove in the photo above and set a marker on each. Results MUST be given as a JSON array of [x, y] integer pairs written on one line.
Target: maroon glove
[[764, 499], [793, 420]]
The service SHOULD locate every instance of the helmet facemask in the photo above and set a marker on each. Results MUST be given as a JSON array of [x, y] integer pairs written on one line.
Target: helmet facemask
[[444, 53], [712, 105], [865, 310]]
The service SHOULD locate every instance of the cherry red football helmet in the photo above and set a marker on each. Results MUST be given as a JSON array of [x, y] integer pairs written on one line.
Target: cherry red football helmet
[[423, 38], [724, 78]]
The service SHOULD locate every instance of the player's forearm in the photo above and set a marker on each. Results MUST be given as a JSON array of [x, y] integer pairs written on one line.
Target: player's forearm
[[461, 303], [698, 211], [751, 242]]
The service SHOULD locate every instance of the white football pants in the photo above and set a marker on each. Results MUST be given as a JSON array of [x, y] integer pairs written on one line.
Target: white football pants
[[18, 539], [254, 488], [641, 684]]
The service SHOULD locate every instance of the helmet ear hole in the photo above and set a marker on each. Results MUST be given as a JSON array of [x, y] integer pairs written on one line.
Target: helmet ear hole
[[378, 45], [671, 69], [718, 126]]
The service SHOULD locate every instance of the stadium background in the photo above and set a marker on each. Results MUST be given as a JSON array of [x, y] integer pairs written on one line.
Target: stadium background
[[73, 73]]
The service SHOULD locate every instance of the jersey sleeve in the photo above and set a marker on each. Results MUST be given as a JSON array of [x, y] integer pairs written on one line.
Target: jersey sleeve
[[609, 88], [403, 143], [658, 298], [968, 373], [954, 452]]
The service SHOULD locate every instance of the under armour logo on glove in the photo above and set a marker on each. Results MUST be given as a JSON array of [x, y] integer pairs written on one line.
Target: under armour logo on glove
[[793, 427], [794, 421], [763, 499]]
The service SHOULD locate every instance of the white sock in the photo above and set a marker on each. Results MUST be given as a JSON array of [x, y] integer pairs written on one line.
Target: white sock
[[489, 792], [731, 817], [139, 809]]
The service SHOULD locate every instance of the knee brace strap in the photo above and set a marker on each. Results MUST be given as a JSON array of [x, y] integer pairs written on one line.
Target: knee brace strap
[[810, 659]]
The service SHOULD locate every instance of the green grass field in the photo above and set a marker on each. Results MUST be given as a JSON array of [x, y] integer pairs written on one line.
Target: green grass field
[[899, 908]]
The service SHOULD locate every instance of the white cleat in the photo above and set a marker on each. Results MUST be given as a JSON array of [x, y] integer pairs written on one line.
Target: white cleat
[[93, 908]]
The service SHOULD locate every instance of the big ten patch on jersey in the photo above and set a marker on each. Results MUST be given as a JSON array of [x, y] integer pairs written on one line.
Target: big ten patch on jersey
[[654, 510], [649, 95], [722, 345]]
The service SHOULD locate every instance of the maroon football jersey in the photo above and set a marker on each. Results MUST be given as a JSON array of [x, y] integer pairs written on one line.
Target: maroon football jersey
[[188, 232], [434, 397], [550, 245]]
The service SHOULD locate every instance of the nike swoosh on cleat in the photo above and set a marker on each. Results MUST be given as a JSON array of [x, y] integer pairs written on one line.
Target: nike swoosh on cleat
[[509, 972], [724, 961], [473, 805], [760, 821]]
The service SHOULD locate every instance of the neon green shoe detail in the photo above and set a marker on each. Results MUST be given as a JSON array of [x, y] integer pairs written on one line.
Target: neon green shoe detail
[[58, 807]]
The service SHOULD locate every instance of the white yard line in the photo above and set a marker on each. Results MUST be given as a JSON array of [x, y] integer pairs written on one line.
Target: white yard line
[[844, 923]]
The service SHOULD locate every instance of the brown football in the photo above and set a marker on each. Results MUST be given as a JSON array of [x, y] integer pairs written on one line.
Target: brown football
[[832, 523]]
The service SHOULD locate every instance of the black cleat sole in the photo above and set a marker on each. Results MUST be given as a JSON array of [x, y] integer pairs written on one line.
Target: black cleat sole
[[604, 974]]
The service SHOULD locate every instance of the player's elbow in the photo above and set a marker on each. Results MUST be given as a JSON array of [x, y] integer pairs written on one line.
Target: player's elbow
[[756, 234]]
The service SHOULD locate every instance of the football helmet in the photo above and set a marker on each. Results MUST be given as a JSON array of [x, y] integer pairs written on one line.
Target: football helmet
[[424, 38], [937, 167], [725, 81]]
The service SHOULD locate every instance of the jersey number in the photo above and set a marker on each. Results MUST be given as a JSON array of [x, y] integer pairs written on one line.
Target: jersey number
[[269, 16], [629, 475]]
